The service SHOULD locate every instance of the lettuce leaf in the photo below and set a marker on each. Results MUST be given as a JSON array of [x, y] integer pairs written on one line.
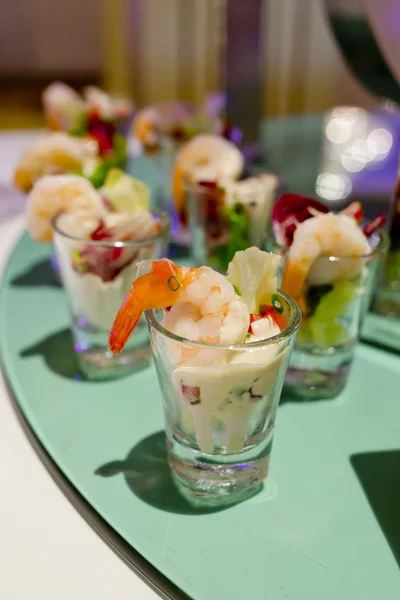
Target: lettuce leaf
[[125, 193], [253, 273]]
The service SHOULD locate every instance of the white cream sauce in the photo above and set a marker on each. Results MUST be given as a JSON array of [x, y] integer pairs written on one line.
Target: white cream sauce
[[231, 386], [229, 394]]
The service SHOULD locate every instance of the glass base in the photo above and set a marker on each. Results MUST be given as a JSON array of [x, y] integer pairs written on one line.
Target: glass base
[[315, 384], [97, 362], [218, 480], [387, 303], [315, 374]]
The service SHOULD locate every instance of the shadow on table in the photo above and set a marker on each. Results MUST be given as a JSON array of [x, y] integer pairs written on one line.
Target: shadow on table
[[378, 473], [148, 476], [288, 396], [39, 274], [58, 352]]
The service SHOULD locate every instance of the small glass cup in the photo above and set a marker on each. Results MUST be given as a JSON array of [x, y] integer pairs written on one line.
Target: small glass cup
[[334, 313], [219, 228], [387, 298], [96, 276], [220, 406]]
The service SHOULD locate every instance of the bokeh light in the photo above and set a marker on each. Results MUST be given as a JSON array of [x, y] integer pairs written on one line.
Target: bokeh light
[[333, 186]]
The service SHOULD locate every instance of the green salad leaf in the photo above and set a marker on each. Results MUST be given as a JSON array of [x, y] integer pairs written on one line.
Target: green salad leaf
[[125, 193], [253, 271]]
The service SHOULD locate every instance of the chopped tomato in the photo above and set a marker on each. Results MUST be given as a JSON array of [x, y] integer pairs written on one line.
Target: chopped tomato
[[191, 393], [268, 311]]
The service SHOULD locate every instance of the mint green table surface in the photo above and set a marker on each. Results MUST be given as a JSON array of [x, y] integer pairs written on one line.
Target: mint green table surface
[[327, 524]]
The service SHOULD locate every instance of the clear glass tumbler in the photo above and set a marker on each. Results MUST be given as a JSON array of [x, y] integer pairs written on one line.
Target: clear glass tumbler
[[337, 295], [220, 406], [221, 225], [387, 297], [96, 276]]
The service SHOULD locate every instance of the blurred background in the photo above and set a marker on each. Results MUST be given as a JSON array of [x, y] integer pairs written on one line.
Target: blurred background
[[169, 49]]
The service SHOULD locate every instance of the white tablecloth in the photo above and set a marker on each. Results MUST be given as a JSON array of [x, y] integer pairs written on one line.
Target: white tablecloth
[[47, 550]]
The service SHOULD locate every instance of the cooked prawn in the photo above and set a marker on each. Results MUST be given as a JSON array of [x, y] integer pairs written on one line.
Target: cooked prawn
[[62, 105], [324, 235], [107, 106], [57, 152], [71, 194], [160, 118], [207, 157], [205, 306]]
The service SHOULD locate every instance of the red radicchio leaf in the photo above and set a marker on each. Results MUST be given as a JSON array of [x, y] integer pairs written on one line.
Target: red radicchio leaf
[[215, 222], [105, 261], [101, 233], [374, 225], [290, 210], [102, 131]]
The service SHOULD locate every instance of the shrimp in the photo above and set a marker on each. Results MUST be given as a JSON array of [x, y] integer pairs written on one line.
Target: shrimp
[[204, 305], [71, 194], [160, 118], [62, 105], [57, 152], [324, 235], [107, 106], [206, 157]]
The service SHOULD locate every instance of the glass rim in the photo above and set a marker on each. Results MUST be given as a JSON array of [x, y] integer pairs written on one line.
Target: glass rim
[[381, 248], [289, 330], [163, 218]]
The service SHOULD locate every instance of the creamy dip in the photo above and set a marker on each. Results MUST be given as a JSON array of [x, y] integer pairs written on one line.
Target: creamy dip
[[233, 389]]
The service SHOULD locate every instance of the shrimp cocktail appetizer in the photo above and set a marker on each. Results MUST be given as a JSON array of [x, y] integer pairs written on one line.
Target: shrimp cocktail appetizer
[[331, 268], [224, 209], [94, 110], [163, 127], [174, 123], [221, 345], [87, 136], [387, 299], [99, 237]]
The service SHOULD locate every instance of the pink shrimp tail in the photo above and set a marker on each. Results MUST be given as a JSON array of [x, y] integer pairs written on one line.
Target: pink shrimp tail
[[125, 322], [159, 288]]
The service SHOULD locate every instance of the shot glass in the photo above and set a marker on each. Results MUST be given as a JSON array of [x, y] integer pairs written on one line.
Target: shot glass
[[221, 224], [220, 405], [387, 298], [96, 276], [337, 295], [163, 159]]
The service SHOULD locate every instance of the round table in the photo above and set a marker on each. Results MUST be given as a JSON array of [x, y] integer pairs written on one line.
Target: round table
[[47, 550]]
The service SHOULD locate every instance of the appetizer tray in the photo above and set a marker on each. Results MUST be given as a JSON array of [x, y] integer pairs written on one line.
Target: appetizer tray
[[327, 523], [382, 332]]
